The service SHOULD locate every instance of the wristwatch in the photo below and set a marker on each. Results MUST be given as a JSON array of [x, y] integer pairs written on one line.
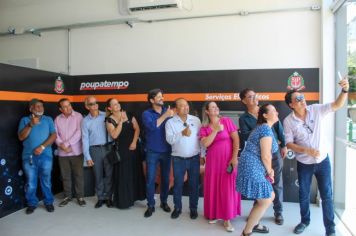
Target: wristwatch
[[344, 91], [29, 125], [42, 147]]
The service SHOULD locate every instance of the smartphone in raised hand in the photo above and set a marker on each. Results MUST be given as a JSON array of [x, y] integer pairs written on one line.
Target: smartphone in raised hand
[[339, 75]]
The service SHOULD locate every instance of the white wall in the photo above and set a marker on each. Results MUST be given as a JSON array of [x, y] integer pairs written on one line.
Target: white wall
[[272, 40]]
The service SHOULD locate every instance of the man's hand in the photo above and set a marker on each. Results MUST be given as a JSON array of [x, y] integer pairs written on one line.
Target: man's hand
[[186, 132], [284, 151], [35, 120], [344, 84], [38, 150], [202, 161], [312, 152], [169, 112], [90, 162]]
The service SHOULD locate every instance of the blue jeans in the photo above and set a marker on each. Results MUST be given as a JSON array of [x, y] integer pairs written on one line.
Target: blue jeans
[[180, 166], [152, 160], [41, 168], [322, 172]]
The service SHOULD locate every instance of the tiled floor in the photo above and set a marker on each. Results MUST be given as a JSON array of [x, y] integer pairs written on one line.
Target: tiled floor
[[73, 220]]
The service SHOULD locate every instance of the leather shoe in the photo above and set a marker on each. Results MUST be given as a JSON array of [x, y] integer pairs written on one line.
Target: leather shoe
[[64, 202], [49, 207], [81, 202], [300, 228], [30, 210], [278, 218], [175, 214], [149, 211], [165, 207], [193, 214], [99, 204], [109, 203]]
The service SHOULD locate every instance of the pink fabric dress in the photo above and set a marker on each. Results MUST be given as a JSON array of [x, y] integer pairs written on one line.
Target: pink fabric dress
[[221, 201]]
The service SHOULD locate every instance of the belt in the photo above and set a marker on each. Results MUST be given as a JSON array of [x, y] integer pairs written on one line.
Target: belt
[[99, 145], [185, 158]]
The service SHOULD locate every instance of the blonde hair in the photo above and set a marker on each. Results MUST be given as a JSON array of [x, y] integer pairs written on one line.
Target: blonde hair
[[205, 117]]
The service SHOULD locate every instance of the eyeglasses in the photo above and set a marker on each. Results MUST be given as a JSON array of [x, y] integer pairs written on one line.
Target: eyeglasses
[[307, 127], [299, 98], [92, 104], [252, 97]]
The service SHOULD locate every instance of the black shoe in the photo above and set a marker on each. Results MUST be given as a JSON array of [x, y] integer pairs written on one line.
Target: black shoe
[[50, 208], [64, 202], [99, 204], [109, 203], [81, 202], [175, 214], [300, 228], [330, 234], [149, 211], [278, 218], [30, 210], [165, 207], [193, 214], [262, 229]]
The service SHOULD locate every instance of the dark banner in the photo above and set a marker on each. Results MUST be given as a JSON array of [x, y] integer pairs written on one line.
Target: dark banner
[[18, 85]]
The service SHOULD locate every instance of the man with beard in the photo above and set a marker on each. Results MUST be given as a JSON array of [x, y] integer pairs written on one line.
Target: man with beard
[[37, 133], [158, 150]]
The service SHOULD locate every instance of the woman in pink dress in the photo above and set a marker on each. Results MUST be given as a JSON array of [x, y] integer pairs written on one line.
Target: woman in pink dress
[[219, 135]]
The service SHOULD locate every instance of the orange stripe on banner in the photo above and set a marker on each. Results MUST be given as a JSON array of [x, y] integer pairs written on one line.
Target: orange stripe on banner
[[194, 97]]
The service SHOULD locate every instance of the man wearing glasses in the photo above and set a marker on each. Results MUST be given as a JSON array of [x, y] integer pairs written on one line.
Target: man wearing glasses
[[247, 122], [303, 135], [94, 138]]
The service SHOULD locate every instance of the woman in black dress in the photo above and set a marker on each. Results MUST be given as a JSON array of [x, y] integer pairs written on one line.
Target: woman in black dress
[[128, 179]]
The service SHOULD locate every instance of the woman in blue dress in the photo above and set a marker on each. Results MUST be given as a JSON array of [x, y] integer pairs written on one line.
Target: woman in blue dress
[[255, 172]]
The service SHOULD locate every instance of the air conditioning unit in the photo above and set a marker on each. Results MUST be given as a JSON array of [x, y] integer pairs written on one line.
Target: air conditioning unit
[[146, 5]]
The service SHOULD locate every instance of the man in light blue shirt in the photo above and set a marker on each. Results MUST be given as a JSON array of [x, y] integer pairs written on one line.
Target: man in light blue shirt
[[37, 133], [94, 138], [182, 133]]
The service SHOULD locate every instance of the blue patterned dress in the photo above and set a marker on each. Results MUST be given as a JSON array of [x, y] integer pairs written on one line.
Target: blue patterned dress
[[251, 180]]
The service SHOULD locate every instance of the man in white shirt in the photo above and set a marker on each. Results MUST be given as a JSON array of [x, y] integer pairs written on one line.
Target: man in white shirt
[[302, 129], [182, 133]]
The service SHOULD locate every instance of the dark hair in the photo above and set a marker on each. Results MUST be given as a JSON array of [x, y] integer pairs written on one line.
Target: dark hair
[[107, 111], [243, 93], [288, 97], [263, 110], [153, 93], [59, 103]]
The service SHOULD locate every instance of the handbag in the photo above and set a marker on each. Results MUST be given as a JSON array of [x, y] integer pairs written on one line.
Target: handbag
[[113, 156]]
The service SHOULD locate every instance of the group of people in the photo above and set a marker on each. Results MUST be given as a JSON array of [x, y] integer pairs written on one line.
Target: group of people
[[244, 162]]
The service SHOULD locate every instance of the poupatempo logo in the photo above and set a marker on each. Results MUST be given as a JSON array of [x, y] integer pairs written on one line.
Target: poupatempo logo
[[104, 85]]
